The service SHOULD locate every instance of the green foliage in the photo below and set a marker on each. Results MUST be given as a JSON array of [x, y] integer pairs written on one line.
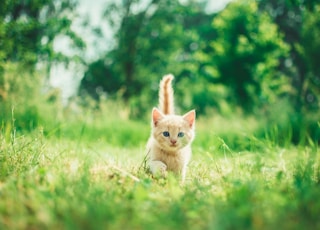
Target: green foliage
[[172, 34], [99, 80], [250, 55], [308, 49], [295, 20], [158, 39], [245, 54], [28, 30], [23, 106]]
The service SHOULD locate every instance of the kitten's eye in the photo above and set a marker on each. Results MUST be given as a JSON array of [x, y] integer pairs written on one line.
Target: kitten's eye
[[180, 134], [166, 134]]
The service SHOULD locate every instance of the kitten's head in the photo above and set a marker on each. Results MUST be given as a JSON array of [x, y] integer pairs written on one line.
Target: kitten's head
[[173, 132]]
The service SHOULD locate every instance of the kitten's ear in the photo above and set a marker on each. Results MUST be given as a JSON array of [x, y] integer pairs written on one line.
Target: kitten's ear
[[190, 117], [156, 116]]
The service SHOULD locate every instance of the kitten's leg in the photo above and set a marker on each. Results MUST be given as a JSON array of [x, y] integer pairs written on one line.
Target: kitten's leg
[[158, 168]]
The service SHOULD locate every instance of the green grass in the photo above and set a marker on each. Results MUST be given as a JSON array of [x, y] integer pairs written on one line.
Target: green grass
[[91, 176]]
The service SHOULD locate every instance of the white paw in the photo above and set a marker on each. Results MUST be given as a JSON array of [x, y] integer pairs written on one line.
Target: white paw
[[158, 168]]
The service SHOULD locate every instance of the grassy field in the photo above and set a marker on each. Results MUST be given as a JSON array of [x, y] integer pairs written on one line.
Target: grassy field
[[91, 176]]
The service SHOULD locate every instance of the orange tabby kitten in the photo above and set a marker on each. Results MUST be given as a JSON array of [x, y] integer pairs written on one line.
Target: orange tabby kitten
[[170, 143]]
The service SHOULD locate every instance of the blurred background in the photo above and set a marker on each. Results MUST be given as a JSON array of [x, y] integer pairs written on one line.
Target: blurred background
[[67, 60]]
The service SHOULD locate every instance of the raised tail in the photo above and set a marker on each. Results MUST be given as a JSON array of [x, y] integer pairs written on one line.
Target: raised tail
[[166, 101]]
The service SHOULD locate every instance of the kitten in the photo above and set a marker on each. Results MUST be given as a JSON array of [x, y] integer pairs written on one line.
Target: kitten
[[169, 145]]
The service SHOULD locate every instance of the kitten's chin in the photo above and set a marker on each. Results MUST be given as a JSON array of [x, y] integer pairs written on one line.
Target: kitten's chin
[[173, 147]]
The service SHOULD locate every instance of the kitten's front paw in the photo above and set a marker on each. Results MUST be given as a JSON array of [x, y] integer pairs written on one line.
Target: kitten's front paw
[[158, 168]]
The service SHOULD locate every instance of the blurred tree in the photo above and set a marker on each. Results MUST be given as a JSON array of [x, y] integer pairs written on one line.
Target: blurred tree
[[95, 82], [309, 49], [299, 22], [28, 30], [245, 55], [151, 40]]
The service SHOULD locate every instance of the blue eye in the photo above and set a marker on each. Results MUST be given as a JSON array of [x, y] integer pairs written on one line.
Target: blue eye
[[180, 134], [166, 134]]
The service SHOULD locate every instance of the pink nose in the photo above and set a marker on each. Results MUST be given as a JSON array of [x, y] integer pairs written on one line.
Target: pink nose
[[173, 141]]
